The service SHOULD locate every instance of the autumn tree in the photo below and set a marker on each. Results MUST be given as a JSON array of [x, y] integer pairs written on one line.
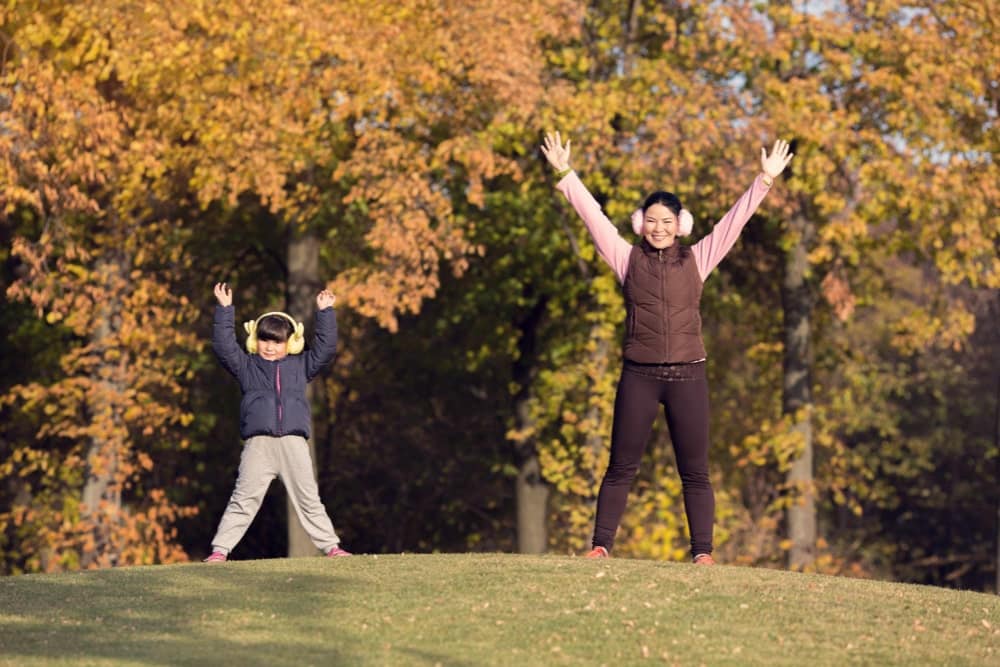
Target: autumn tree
[[724, 79], [150, 149], [888, 105], [213, 105], [98, 264]]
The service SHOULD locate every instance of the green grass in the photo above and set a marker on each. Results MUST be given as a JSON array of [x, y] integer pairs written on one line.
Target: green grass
[[485, 609]]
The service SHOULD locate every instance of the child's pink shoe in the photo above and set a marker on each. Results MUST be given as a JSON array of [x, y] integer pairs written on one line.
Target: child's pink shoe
[[336, 552], [216, 557]]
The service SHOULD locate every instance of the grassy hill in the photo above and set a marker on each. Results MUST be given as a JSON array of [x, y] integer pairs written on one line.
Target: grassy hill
[[485, 609]]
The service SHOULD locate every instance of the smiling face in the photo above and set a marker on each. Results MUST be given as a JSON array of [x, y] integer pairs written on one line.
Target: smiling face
[[272, 350], [273, 331], [659, 226]]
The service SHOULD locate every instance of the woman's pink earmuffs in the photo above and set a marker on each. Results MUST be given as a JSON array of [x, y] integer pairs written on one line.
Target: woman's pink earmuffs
[[685, 222]]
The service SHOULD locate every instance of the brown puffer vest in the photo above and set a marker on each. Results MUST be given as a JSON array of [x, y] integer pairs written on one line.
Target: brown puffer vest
[[662, 297]]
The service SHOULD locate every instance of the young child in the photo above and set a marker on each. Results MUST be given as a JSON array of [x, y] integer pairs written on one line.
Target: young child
[[275, 420]]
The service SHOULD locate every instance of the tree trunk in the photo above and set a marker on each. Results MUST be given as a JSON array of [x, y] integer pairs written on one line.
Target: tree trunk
[[100, 477], [531, 492], [797, 399], [996, 444], [597, 441], [101, 496], [532, 495], [303, 284]]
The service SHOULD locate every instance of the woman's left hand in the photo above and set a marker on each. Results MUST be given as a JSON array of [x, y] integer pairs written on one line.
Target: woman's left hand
[[775, 163]]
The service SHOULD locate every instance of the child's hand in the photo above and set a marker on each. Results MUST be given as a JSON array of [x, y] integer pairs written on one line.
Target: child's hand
[[223, 294], [325, 299]]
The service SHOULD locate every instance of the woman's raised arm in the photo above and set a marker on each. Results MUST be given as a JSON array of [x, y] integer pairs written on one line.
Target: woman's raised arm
[[710, 250], [609, 243]]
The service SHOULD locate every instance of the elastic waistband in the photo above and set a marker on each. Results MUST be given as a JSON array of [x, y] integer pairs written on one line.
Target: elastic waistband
[[690, 371], [672, 364], [296, 434]]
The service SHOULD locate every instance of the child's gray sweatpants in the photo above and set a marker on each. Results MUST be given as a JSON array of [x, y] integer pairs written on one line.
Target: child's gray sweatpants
[[265, 457]]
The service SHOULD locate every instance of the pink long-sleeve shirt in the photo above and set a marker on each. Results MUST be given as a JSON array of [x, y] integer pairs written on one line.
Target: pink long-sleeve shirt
[[708, 252]]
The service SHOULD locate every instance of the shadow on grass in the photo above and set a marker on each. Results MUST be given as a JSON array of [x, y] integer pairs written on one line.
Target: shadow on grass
[[186, 615]]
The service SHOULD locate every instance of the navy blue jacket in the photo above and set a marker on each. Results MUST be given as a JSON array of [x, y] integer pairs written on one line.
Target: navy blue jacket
[[274, 392]]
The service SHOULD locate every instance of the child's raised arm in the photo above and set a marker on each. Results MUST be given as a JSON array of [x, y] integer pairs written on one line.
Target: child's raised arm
[[224, 342], [324, 345], [223, 294]]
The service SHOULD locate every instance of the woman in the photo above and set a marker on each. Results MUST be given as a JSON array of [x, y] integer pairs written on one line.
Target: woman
[[664, 355]]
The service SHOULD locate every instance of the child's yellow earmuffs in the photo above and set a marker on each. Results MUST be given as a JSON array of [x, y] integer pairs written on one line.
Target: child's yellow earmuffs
[[296, 341]]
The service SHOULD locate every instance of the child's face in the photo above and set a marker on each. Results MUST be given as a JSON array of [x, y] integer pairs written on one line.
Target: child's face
[[272, 350]]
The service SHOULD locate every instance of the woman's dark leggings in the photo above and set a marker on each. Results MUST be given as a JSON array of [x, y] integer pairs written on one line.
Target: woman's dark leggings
[[682, 390]]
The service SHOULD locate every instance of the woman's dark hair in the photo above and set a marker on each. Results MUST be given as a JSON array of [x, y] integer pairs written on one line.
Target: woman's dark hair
[[275, 328], [668, 199]]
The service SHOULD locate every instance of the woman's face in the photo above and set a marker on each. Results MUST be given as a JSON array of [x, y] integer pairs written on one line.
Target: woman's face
[[659, 226]]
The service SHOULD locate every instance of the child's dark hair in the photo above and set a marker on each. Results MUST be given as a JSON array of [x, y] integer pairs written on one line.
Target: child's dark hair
[[274, 328], [668, 199]]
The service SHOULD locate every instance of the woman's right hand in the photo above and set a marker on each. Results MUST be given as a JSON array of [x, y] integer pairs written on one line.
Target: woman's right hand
[[556, 152]]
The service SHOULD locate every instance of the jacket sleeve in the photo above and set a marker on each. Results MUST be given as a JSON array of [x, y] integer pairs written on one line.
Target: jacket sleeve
[[324, 343], [610, 245], [224, 342], [709, 251]]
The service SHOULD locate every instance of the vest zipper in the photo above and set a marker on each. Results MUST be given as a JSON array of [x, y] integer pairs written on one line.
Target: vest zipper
[[663, 305]]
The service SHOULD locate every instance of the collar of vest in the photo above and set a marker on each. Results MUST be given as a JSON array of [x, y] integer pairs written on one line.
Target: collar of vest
[[672, 251]]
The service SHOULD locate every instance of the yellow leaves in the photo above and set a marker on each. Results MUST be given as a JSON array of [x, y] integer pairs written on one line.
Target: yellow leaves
[[920, 329], [776, 443], [521, 434], [91, 52], [654, 525]]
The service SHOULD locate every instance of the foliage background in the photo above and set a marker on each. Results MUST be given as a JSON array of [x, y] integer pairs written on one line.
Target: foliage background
[[147, 152]]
